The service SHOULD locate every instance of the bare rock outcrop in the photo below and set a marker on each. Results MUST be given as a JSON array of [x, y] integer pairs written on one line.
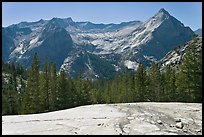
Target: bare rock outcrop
[[148, 118]]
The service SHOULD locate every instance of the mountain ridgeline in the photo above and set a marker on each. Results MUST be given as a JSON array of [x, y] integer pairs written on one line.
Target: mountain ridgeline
[[94, 50], [198, 32]]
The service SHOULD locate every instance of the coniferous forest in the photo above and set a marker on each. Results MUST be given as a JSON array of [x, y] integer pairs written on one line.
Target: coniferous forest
[[36, 91]]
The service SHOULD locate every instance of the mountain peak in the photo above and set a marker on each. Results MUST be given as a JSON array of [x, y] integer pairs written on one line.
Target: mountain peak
[[161, 15], [162, 10], [40, 21], [69, 19], [55, 18]]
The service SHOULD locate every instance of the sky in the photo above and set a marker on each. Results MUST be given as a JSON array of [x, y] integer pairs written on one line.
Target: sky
[[189, 13]]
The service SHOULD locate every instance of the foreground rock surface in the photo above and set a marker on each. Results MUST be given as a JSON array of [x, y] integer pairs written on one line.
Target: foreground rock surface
[[124, 118]]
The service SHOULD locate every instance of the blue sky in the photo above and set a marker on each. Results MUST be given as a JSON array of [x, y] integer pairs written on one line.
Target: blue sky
[[189, 13]]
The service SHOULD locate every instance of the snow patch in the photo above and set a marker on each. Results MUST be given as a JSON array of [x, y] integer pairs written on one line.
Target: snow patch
[[173, 59], [131, 65], [33, 41]]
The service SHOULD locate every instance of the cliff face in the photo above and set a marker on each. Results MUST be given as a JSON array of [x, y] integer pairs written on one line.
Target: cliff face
[[125, 118]]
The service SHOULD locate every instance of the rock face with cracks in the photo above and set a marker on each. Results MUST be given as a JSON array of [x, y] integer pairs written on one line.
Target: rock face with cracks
[[148, 118]]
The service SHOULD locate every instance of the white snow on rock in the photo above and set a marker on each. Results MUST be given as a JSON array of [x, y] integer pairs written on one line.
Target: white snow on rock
[[33, 41], [124, 38], [131, 65]]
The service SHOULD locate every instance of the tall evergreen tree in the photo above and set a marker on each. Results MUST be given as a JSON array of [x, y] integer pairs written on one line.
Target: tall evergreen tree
[[72, 94], [188, 82], [20, 93], [63, 89], [12, 97], [85, 92], [131, 88], [53, 88], [140, 83], [32, 96], [45, 86], [169, 84], [154, 86]]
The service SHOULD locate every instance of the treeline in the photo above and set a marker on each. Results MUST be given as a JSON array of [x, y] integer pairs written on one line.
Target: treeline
[[35, 91]]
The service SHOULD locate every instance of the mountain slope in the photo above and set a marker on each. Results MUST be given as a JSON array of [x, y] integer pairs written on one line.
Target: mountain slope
[[7, 43], [160, 33], [175, 57], [198, 32], [168, 35], [117, 46]]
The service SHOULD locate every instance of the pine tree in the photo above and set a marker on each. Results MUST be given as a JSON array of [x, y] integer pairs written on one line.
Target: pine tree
[[140, 83], [127, 88], [45, 86], [20, 95], [53, 88], [78, 86], [62, 88], [169, 84], [189, 79], [154, 86], [12, 97], [107, 93], [85, 92], [32, 96], [115, 90], [83, 88], [72, 94], [123, 88], [130, 88]]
